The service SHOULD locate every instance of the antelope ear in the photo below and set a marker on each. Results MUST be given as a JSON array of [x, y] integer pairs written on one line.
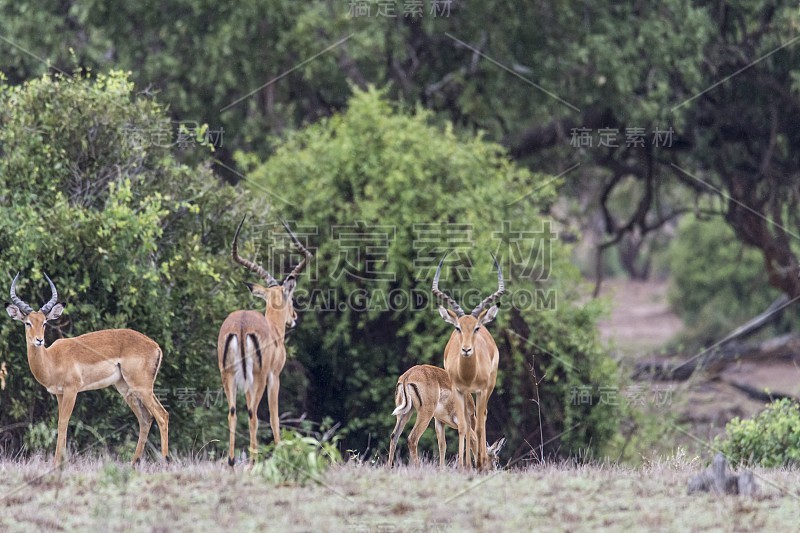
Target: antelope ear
[[487, 316], [257, 290], [14, 312], [495, 448], [289, 286], [56, 311], [448, 315]]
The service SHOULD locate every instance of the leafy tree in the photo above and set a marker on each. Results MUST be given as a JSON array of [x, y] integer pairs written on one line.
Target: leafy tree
[[722, 76], [200, 57], [383, 193], [131, 237], [715, 292], [724, 79]]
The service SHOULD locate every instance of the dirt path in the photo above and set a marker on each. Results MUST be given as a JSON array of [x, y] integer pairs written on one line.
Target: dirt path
[[641, 320]]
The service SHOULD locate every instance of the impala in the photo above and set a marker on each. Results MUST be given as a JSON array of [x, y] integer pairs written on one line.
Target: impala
[[124, 358], [251, 348], [470, 359], [426, 389]]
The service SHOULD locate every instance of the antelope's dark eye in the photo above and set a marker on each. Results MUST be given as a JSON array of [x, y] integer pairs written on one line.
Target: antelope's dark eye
[[28, 325], [477, 328], [458, 329]]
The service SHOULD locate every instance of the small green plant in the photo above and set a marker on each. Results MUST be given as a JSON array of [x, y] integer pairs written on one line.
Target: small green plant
[[298, 459], [770, 439], [116, 475], [40, 436]]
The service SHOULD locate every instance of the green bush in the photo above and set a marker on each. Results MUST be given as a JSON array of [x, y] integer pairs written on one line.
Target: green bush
[[399, 190], [717, 282], [770, 439], [132, 238], [298, 459]]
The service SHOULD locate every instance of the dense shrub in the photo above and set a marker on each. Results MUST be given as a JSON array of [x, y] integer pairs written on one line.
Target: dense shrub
[[92, 194], [382, 194], [770, 439]]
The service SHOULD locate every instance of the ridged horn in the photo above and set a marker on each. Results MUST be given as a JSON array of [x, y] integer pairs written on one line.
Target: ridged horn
[[441, 295], [53, 298], [501, 288], [308, 255], [21, 305], [252, 267]]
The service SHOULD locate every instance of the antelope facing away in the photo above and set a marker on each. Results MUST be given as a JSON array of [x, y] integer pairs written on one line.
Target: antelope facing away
[[124, 358], [426, 389], [251, 346], [471, 359]]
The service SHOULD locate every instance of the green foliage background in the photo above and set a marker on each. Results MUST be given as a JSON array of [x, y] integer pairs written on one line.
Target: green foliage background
[[132, 238], [769, 439], [717, 282], [136, 233], [391, 167]]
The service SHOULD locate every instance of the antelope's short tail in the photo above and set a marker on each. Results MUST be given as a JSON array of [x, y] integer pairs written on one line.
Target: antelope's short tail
[[401, 400]]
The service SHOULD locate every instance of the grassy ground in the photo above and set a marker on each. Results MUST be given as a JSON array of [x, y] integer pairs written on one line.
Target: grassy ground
[[106, 495]]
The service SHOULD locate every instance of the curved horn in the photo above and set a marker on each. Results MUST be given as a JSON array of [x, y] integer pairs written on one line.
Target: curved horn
[[442, 296], [21, 305], [308, 255], [501, 288], [252, 267], [53, 299]]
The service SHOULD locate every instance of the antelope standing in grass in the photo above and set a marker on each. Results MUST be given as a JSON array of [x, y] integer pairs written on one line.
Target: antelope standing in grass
[[426, 389], [251, 346], [124, 358], [470, 359]]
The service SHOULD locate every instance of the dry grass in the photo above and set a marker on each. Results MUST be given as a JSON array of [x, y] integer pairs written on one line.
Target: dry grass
[[106, 495]]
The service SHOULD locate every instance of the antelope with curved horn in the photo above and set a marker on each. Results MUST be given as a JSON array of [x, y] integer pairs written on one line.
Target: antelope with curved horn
[[124, 358], [251, 346], [471, 358]]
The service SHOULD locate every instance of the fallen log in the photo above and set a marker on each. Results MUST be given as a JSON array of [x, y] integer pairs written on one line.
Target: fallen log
[[758, 322], [761, 395], [724, 352], [714, 360]]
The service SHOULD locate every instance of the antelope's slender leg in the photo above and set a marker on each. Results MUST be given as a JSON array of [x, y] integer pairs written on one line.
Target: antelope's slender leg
[[402, 420], [66, 403], [273, 388], [440, 440], [229, 385], [420, 425]]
